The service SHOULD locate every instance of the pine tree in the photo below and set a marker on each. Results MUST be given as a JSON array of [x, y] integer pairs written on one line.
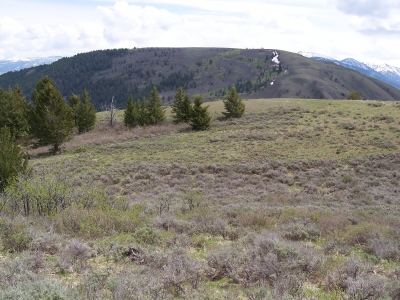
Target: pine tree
[[12, 161], [200, 117], [155, 111], [13, 111], [176, 106], [73, 101], [85, 113], [51, 120], [131, 118], [234, 105], [182, 107], [187, 109], [143, 114]]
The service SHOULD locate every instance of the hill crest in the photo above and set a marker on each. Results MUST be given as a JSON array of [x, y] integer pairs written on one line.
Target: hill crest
[[211, 72]]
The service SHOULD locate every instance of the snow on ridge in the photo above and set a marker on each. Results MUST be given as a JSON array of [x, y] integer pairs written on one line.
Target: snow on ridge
[[353, 62], [275, 58], [385, 68], [312, 54]]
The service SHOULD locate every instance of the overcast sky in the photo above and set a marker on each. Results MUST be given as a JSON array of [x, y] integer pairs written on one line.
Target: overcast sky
[[367, 30]]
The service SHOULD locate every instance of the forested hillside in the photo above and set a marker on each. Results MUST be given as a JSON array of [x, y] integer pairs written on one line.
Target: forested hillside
[[211, 72]]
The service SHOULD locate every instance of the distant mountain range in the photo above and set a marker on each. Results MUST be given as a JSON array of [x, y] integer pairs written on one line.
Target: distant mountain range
[[19, 64], [385, 72], [210, 72]]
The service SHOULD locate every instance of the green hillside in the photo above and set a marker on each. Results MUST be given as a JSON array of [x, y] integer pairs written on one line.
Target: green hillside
[[298, 199], [206, 71]]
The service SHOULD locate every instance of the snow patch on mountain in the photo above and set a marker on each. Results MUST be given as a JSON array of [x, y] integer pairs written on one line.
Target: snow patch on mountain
[[312, 54], [385, 69], [275, 58], [19, 64], [354, 63]]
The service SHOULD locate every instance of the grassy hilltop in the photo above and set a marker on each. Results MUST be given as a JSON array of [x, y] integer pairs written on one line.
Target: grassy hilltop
[[298, 199]]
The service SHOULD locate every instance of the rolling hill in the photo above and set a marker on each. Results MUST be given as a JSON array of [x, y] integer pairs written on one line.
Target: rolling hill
[[211, 72]]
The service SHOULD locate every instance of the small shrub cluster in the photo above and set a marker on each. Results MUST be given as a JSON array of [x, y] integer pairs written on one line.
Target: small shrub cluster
[[15, 235], [166, 275], [267, 262], [359, 281], [46, 193], [73, 257]]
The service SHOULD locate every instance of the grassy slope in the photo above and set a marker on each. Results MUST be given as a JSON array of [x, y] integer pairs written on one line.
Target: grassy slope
[[322, 175]]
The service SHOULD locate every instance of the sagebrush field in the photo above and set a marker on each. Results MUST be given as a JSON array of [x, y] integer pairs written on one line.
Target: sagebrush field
[[298, 199]]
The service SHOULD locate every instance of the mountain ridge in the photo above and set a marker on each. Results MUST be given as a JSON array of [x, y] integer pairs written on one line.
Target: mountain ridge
[[210, 72], [384, 72]]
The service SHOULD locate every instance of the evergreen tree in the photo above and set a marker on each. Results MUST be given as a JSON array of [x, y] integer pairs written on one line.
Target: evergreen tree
[[177, 105], [187, 109], [50, 119], [200, 117], [85, 113], [234, 105], [12, 161], [143, 119], [182, 107], [155, 111], [73, 101], [13, 111], [131, 118]]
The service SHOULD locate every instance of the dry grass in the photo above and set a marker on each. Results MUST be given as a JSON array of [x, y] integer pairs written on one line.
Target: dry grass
[[277, 203]]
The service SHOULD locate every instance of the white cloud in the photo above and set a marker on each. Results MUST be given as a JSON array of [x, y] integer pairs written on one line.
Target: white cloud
[[370, 8], [329, 27]]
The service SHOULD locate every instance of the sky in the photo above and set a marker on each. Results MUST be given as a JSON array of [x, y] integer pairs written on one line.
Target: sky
[[366, 30]]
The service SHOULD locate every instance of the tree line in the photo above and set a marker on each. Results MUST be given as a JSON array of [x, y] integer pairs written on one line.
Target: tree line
[[51, 120]]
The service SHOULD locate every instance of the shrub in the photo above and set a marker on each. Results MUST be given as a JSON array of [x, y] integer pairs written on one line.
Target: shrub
[[138, 283], [383, 247], [93, 286], [73, 256], [170, 274], [24, 268], [97, 222], [39, 290], [15, 236], [148, 235], [299, 231], [367, 287], [224, 263], [48, 193], [354, 95], [45, 241], [348, 126]]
